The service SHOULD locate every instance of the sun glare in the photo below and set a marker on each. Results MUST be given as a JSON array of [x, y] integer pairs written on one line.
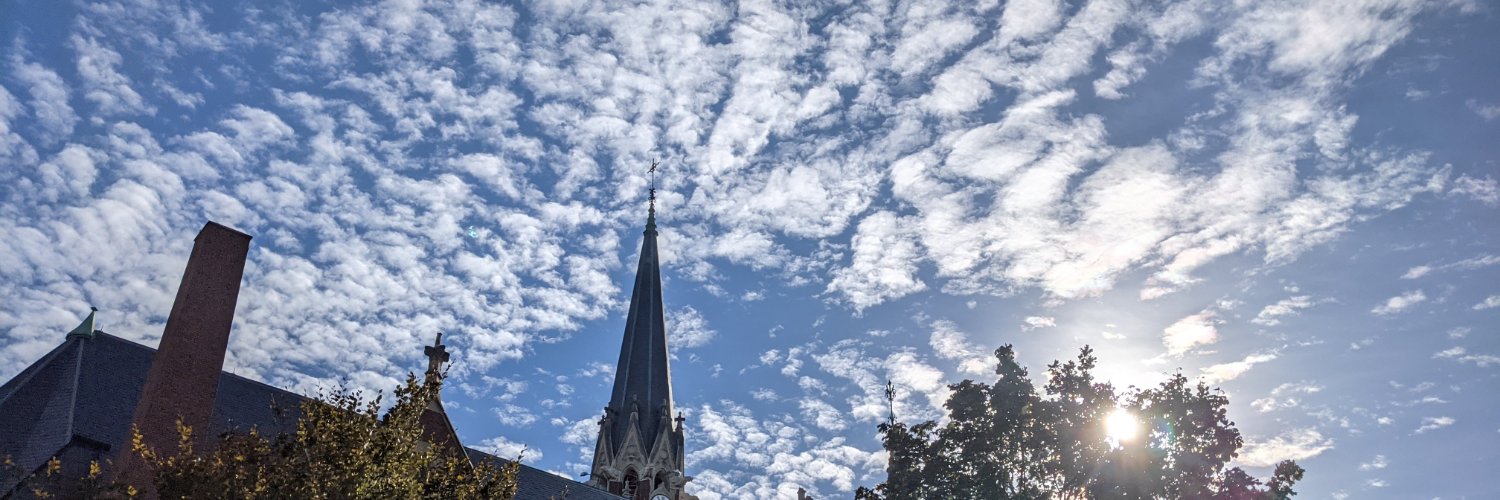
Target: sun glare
[[1121, 426]]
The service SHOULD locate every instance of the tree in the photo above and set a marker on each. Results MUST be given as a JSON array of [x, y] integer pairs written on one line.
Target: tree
[[343, 448], [1005, 440], [52, 482]]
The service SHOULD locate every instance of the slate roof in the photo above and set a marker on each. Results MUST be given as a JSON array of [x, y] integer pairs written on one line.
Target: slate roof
[[83, 394], [642, 376], [537, 484]]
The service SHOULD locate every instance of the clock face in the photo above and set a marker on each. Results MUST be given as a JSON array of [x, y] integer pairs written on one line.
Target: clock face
[[658, 497]]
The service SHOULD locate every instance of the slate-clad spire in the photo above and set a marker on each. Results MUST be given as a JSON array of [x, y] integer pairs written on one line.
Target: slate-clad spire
[[639, 453], [642, 380]]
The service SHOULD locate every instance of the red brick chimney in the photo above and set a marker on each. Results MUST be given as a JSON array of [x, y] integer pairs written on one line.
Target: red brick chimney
[[184, 375]]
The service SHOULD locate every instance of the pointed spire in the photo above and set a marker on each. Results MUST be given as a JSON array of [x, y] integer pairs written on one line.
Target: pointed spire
[[642, 378], [86, 328]]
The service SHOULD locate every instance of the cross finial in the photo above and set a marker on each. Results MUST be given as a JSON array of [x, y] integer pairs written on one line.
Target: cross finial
[[437, 354], [651, 210]]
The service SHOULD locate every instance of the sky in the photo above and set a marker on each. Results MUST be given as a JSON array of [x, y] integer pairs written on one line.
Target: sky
[[1295, 201]]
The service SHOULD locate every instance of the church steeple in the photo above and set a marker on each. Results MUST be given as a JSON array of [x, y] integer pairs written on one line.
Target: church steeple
[[639, 451], [642, 377]]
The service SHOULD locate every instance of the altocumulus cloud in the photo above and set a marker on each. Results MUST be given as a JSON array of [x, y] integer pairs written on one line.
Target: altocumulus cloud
[[477, 168]]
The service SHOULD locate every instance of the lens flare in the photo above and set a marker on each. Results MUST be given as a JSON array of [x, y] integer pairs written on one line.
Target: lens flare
[[1121, 426]]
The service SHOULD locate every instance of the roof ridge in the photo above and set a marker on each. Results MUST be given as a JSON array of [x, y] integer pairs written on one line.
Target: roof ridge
[[21, 379], [222, 372]]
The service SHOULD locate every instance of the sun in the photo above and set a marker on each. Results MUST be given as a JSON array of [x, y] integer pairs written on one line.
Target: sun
[[1121, 426]]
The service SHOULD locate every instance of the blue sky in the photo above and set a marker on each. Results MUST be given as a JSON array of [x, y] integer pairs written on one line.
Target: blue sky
[[1293, 200]]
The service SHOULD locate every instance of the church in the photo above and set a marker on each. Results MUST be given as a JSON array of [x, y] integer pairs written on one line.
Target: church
[[79, 401]]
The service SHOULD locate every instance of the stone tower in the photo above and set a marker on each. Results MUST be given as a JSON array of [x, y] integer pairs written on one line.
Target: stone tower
[[639, 453]]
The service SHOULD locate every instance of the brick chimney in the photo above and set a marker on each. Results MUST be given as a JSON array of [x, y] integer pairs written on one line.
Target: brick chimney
[[184, 375]]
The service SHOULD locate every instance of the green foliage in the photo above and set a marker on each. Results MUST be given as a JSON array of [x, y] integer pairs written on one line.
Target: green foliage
[[1006, 440], [51, 482], [343, 448]]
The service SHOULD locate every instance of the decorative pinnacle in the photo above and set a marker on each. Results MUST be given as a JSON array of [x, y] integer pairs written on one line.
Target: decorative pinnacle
[[86, 328]]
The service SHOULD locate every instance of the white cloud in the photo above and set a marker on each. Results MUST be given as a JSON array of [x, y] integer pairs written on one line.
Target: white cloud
[[770, 356], [1486, 190], [742, 456], [504, 448], [12, 146], [99, 68], [1294, 444], [793, 362], [49, 100], [884, 263], [1416, 272], [1490, 302], [953, 344], [1288, 395], [824, 415], [743, 117], [1400, 302], [1025, 19], [928, 44], [1224, 372], [582, 433], [1469, 264], [513, 415], [868, 375], [1462, 355], [688, 329], [1489, 112], [1376, 463], [1191, 331], [1271, 315], [764, 394], [1034, 322], [1316, 39], [1434, 423]]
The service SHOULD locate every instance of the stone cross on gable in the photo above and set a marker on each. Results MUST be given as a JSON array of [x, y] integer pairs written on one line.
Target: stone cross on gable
[[437, 354]]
